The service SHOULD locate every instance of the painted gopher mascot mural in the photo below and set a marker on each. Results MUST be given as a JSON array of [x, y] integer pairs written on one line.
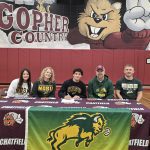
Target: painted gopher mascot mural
[[99, 25], [82, 127]]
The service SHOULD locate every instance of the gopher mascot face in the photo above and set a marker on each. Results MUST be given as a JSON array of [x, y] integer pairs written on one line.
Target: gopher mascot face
[[99, 19]]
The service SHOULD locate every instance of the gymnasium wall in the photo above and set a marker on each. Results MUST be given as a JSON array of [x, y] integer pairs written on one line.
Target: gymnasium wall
[[64, 61]]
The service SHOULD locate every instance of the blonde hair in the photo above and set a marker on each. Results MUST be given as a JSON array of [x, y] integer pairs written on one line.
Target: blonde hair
[[52, 79]]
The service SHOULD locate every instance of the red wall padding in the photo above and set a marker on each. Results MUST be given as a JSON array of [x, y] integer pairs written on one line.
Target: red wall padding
[[64, 61]]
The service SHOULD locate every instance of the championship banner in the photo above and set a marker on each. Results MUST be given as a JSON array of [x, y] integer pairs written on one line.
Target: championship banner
[[81, 129]]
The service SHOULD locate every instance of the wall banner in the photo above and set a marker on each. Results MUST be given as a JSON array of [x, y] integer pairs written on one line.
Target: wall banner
[[66, 24]]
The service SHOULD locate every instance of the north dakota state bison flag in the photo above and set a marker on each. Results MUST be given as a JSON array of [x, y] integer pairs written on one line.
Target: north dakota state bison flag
[[77, 129]]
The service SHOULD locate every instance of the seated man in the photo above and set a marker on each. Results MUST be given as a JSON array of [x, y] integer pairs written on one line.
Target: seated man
[[100, 86], [73, 88], [129, 87]]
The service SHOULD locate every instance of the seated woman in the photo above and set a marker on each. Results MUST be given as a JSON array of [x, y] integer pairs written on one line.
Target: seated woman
[[45, 86], [22, 86]]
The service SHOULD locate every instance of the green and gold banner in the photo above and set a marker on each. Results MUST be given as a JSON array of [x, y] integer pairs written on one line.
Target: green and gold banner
[[77, 129]]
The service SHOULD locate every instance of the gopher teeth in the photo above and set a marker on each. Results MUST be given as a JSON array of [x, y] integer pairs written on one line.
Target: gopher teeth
[[94, 35], [94, 30]]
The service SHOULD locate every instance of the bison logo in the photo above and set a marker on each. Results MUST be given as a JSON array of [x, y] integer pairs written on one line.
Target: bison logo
[[82, 127]]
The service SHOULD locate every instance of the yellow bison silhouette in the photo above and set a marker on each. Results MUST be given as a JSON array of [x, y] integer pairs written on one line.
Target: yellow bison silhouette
[[80, 126]]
